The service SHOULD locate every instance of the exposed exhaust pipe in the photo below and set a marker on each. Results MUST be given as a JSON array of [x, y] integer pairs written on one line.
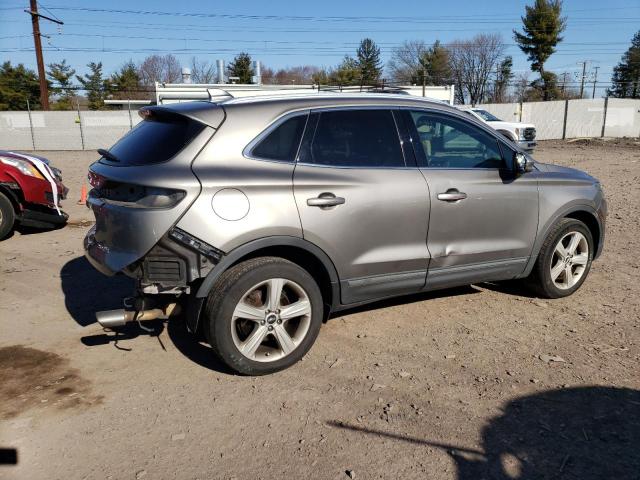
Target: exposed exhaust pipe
[[120, 317]]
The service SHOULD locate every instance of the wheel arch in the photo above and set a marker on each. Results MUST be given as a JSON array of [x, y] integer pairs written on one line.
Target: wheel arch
[[584, 213], [506, 133], [297, 250], [12, 196], [592, 223]]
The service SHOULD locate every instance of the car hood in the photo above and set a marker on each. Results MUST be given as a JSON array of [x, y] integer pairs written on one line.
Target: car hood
[[511, 125], [569, 172]]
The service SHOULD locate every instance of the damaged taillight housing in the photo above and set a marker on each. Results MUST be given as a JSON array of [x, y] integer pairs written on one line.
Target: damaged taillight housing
[[133, 196]]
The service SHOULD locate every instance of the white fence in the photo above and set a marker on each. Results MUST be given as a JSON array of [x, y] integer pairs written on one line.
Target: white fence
[[85, 130], [613, 117], [88, 130]]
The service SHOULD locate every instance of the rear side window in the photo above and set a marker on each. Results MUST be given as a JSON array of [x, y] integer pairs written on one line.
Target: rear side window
[[282, 143], [155, 140], [356, 138]]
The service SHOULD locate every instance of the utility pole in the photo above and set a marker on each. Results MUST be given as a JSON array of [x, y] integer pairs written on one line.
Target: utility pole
[[564, 82], [424, 81], [595, 80], [35, 24], [584, 74]]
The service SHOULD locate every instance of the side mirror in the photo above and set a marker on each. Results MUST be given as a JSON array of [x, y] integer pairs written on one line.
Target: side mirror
[[521, 164]]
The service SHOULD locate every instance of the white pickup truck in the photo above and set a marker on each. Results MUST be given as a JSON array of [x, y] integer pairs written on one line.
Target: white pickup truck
[[523, 134]]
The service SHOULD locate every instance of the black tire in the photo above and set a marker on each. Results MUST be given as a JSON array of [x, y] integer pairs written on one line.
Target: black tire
[[230, 289], [7, 216], [540, 278]]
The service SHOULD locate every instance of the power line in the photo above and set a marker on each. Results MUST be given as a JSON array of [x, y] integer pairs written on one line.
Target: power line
[[289, 42], [385, 19]]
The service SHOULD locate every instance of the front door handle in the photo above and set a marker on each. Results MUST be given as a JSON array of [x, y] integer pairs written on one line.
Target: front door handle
[[452, 195], [325, 200]]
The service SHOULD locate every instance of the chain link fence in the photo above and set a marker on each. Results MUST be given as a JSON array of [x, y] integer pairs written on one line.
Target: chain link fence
[[89, 130]]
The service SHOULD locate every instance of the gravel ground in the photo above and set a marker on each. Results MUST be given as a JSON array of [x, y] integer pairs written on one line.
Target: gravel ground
[[477, 382]]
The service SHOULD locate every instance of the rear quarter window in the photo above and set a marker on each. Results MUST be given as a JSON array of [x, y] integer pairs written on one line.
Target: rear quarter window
[[281, 144], [155, 140]]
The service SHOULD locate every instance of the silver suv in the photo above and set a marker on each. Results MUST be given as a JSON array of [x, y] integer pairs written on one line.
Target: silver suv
[[258, 217]]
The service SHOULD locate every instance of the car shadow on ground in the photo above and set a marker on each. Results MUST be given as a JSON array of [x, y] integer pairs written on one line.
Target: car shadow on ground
[[407, 299], [585, 433], [517, 288], [87, 291]]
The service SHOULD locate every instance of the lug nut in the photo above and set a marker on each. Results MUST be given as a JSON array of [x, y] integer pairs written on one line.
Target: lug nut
[[270, 328], [262, 322], [279, 321]]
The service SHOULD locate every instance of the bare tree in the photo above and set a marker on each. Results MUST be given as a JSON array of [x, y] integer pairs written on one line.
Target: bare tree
[[298, 75], [521, 87], [268, 75], [406, 61], [472, 63], [202, 71], [159, 68]]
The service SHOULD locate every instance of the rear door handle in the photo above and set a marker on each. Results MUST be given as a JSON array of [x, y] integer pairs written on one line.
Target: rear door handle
[[325, 200], [452, 195]]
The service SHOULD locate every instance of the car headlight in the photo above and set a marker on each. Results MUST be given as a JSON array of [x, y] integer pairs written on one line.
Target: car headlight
[[25, 167]]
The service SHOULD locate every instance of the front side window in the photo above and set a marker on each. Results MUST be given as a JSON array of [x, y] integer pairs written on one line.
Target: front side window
[[447, 142], [355, 138], [281, 144]]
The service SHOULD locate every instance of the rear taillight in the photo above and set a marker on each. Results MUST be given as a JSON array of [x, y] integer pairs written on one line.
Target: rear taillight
[[95, 180], [133, 196]]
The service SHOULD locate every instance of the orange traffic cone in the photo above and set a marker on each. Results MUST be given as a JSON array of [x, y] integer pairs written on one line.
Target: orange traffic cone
[[83, 195]]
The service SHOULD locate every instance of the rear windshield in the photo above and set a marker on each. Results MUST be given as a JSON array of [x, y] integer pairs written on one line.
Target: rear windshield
[[154, 141]]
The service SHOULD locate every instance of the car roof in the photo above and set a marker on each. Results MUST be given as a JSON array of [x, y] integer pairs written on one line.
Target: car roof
[[209, 112]]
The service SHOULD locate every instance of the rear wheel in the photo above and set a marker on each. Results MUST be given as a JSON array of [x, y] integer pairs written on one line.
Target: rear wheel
[[263, 315], [7, 216], [564, 260]]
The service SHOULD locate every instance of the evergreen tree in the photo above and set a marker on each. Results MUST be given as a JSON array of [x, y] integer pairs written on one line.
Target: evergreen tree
[[125, 83], [241, 68], [17, 86], [61, 74], [544, 88], [435, 65], [368, 62], [626, 75], [95, 85], [347, 73], [542, 25]]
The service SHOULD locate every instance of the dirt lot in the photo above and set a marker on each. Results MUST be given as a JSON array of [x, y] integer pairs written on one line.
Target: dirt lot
[[471, 383]]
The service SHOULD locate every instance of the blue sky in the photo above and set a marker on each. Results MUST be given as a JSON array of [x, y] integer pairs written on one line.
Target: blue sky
[[287, 33]]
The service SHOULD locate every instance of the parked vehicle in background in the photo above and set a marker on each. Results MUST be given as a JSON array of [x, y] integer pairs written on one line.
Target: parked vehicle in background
[[523, 134], [261, 216], [30, 192]]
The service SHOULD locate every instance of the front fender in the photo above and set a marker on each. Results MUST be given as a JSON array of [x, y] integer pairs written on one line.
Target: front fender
[[565, 211]]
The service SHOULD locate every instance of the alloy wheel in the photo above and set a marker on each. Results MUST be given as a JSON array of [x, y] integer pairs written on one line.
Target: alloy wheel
[[569, 260], [271, 320]]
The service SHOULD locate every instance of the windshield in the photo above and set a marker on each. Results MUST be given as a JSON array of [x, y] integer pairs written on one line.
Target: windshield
[[487, 116]]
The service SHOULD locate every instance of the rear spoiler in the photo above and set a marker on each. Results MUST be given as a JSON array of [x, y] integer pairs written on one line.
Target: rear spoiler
[[207, 113]]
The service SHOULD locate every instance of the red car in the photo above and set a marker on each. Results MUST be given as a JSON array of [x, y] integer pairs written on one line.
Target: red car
[[30, 192]]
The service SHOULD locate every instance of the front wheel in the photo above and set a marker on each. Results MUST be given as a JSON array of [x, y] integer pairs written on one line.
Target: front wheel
[[263, 315], [7, 216], [564, 260]]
